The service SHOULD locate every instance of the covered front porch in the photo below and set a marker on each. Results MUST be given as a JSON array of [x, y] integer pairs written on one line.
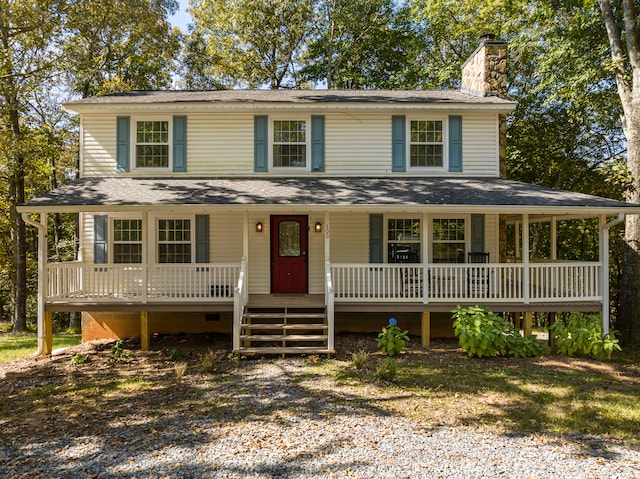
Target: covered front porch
[[421, 272]]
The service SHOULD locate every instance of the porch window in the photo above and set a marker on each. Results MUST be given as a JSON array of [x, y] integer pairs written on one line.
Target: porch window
[[174, 241], [127, 241], [449, 245], [152, 144], [403, 240], [426, 145], [290, 143]]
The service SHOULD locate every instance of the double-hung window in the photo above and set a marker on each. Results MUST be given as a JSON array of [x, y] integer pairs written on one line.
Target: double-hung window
[[290, 143], [448, 240], [152, 144], [127, 241], [403, 240], [426, 143], [174, 241]]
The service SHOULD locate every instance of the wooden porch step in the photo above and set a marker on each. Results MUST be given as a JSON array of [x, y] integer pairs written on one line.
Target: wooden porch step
[[287, 350], [283, 337], [281, 315], [298, 326]]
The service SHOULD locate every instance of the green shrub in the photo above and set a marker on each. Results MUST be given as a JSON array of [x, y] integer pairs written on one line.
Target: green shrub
[[582, 334], [360, 359], [118, 354], [484, 333], [392, 339], [79, 358], [387, 370]]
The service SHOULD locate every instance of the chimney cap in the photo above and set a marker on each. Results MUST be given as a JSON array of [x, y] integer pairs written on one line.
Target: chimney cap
[[487, 37]]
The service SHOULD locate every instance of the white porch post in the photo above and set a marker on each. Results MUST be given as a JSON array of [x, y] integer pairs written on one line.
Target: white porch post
[[44, 319], [525, 259], [327, 236], [145, 256], [604, 267], [424, 235], [554, 239], [329, 294]]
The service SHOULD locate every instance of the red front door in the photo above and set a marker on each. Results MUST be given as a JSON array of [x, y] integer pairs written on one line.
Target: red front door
[[289, 254]]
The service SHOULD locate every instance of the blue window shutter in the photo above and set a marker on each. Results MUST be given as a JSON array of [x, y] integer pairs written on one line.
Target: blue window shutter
[[398, 143], [261, 143], [317, 143], [100, 239], [455, 143], [180, 143], [202, 238], [376, 239], [123, 143], [477, 234]]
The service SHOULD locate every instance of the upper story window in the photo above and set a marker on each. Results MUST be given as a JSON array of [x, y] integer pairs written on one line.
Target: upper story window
[[426, 143], [127, 241], [174, 241], [152, 144], [290, 143]]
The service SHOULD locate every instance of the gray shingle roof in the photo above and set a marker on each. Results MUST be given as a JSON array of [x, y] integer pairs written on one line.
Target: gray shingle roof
[[396, 191], [289, 96]]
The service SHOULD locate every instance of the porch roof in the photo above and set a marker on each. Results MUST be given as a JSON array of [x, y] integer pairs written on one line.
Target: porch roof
[[392, 193]]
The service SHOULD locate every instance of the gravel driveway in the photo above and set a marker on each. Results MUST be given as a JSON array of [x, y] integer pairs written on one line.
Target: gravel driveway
[[284, 431]]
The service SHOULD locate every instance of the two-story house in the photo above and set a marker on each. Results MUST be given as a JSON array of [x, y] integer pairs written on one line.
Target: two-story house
[[283, 216]]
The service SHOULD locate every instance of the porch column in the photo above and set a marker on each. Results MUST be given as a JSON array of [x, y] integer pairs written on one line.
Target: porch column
[[554, 239], [604, 267], [528, 323], [45, 332], [426, 329], [145, 334], [145, 256], [525, 259], [327, 237]]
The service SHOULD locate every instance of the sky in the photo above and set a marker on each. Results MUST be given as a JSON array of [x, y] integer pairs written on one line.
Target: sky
[[181, 18]]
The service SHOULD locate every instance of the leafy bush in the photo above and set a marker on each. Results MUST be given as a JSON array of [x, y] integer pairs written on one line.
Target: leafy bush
[[79, 358], [118, 354], [484, 333], [392, 339], [582, 334], [387, 370]]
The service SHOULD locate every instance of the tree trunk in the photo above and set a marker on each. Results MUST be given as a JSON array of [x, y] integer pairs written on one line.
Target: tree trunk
[[628, 321], [18, 228]]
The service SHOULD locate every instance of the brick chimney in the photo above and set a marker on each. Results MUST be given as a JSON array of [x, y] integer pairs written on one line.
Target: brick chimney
[[485, 72]]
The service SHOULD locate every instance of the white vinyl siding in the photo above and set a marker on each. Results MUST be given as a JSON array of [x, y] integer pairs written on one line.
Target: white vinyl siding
[[349, 238], [357, 143]]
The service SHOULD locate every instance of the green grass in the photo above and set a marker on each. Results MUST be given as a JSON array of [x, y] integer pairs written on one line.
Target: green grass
[[21, 345], [556, 395]]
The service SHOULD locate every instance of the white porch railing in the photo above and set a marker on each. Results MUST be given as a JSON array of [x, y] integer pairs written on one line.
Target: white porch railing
[[78, 282], [498, 282]]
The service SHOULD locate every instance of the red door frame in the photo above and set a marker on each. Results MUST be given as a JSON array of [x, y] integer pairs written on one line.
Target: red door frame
[[289, 273]]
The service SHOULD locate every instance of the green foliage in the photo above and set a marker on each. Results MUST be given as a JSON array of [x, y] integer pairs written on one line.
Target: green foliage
[[79, 358], [175, 354], [387, 370], [118, 353], [484, 333], [582, 334], [360, 359], [392, 339]]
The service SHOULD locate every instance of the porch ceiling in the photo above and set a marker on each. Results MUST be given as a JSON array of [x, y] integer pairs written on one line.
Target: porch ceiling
[[424, 193]]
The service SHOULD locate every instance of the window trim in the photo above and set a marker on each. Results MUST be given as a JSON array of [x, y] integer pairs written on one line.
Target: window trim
[[134, 143], [467, 235], [156, 237], [307, 143], [445, 143], [111, 218], [420, 242]]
